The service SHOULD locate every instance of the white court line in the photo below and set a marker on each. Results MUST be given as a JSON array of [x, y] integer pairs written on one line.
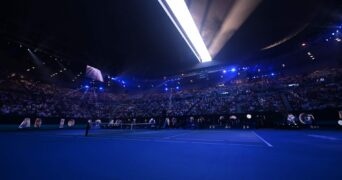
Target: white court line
[[197, 139], [169, 137], [182, 142], [145, 132], [206, 143], [225, 144], [263, 140], [323, 137]]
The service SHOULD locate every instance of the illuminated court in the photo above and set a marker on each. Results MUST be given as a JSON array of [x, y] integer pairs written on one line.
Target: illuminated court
[[171, 154], [171, 90]]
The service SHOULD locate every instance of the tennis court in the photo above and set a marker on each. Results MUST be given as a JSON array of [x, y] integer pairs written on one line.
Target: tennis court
[[171, 154]]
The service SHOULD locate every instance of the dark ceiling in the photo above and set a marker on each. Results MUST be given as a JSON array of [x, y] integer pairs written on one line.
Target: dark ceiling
[[136, 37]]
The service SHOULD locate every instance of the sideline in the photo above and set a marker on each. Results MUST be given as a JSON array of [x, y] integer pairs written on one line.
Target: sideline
[[263, 140]]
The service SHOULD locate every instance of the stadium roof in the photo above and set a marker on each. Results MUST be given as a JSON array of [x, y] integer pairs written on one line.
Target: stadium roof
[[137, 37]]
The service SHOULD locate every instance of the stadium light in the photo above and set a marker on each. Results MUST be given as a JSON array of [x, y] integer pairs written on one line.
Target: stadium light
[[179, 14], [339, 122]]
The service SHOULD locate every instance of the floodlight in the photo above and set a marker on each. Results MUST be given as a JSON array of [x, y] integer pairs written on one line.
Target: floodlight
[[339, 122], [180, 15]]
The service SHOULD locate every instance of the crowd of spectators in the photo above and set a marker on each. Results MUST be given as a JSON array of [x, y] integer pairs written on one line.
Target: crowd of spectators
[[315, 91]]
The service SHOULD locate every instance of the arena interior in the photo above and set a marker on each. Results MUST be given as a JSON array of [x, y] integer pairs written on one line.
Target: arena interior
[[171, 89]]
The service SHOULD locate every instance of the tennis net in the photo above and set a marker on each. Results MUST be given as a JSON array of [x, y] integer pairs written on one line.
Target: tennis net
[[96, 128]]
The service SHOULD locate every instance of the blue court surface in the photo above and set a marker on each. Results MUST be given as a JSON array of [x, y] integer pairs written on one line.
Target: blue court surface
[[171, 154]]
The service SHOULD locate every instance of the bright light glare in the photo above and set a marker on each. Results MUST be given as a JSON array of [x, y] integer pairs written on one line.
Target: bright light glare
[[187, 27]]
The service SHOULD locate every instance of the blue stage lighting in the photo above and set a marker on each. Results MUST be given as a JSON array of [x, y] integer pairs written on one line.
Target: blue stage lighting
[[177, 87], [101, 88], [224, 71], [233, 70], [272, 74], [166, 89], [86, 86]]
